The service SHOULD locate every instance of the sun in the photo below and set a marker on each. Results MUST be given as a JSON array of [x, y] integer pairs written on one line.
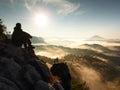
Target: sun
[[41, 19]]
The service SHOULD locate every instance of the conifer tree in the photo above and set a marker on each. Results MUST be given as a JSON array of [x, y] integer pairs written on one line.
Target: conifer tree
[[2, 27]]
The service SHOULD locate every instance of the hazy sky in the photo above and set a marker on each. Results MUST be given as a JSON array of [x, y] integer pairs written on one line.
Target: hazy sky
[[63, 18]]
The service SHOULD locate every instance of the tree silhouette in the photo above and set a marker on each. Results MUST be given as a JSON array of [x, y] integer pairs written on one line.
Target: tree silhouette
[[79, 86], [2, 26]]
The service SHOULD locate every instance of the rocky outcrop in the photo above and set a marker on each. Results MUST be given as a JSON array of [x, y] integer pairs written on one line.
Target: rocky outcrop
[[21, 69]]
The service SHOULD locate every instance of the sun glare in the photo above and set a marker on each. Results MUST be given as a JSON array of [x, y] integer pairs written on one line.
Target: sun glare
[[41, 19]]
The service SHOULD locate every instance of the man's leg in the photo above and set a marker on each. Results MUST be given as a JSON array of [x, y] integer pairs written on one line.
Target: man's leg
[[29, 44]]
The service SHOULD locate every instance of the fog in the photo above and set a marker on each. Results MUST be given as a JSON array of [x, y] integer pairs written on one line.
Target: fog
[[92, 78], [52, 53], [108, 53]]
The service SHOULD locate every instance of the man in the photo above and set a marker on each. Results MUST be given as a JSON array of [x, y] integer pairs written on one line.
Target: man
[[19, 37]]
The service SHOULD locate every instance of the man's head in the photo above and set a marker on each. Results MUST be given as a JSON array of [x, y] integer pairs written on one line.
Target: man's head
[[18, 25]]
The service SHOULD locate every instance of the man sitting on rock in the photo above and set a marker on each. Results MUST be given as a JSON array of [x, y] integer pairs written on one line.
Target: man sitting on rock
[[19, 37]]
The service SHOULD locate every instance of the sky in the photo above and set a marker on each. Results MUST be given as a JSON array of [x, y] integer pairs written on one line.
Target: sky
[[66, 19]]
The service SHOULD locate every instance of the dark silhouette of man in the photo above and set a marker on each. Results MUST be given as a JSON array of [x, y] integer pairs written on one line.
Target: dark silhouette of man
[[19, 37]]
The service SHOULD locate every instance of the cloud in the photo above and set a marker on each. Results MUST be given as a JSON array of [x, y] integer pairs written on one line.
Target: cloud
[[68, 8], [30, 4], [63, 7], [80, 12], [12, 1]]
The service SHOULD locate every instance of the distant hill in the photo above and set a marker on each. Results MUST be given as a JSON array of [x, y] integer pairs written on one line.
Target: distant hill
[[96, 38], [96, 47], [37, 40], [99, 38], [113, 41]]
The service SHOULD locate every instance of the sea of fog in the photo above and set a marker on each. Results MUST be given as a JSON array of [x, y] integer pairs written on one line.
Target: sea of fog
[[52, 47]]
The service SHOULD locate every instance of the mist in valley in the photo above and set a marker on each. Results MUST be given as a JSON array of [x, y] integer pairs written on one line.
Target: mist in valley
[[96, 64]]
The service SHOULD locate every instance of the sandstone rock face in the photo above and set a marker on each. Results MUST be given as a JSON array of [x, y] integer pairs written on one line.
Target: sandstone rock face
[[21, 69]]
